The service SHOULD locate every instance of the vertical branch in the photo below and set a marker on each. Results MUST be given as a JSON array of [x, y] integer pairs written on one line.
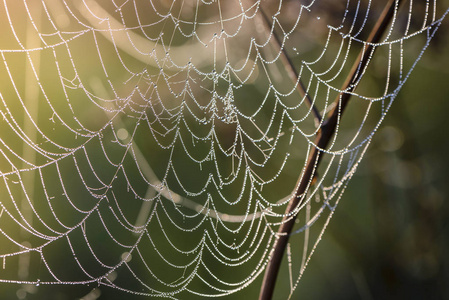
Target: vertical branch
[[30, 118], [290, 68], [321, 141]]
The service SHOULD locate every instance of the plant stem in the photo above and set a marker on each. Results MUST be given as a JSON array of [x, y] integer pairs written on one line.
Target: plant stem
[[290, 68], [322, 139]]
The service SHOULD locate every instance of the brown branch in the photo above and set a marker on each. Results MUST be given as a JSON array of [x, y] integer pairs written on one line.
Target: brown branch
[[290, 68], [322, 139]]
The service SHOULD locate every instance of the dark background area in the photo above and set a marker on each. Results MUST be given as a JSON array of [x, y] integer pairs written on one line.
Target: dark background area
[[389, 237]]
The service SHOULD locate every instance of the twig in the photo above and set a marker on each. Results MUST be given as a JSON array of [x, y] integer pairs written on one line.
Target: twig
[[290, 68], [323, 137]]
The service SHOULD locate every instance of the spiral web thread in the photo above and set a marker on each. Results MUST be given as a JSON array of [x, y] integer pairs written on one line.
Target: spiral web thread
[[152, 146]]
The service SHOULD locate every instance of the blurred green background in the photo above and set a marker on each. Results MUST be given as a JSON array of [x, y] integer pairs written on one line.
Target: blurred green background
[[389, 237]]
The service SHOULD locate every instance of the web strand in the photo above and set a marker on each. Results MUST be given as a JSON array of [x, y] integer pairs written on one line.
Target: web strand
[[153, 146]]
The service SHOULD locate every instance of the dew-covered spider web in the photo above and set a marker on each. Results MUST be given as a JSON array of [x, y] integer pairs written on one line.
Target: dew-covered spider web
[[153, 146]]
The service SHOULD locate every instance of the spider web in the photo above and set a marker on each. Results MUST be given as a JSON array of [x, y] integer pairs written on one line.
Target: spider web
[[153, 146]]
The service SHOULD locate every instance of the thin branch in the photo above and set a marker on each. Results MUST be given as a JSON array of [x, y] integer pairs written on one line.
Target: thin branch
[[322, 140], [290, 68]]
